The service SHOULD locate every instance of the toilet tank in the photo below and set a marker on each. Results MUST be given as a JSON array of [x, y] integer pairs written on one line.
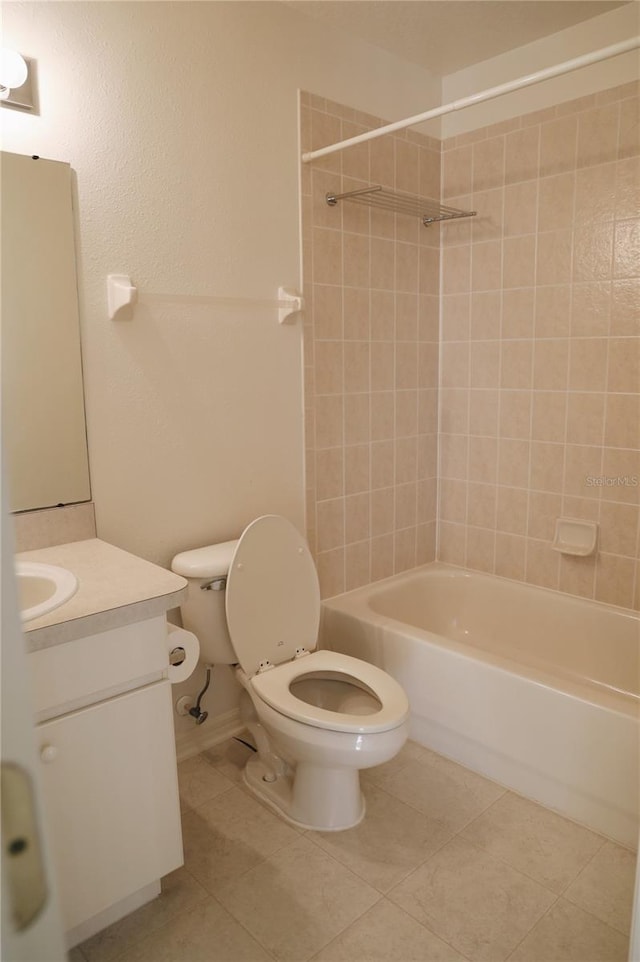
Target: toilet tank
[[203, 612]]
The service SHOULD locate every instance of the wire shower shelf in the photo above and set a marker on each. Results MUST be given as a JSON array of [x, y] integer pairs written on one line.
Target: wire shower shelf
[[429, 211]]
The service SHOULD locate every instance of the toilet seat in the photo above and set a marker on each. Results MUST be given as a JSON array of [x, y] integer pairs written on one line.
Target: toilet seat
[[273, 687]]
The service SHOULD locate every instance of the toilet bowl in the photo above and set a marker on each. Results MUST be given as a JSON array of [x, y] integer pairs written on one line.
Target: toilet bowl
[[317, 716]]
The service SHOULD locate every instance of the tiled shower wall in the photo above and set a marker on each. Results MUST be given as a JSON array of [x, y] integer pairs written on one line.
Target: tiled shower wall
[[539, 404], [371, 286]]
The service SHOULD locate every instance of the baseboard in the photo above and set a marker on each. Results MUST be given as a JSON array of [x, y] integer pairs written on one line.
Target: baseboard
[[212, 732]]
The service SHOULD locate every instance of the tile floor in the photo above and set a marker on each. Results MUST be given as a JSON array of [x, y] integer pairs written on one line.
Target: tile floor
[[446, 867]]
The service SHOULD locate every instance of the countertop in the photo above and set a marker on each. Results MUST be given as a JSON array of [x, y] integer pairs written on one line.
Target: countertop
[[115, 588]]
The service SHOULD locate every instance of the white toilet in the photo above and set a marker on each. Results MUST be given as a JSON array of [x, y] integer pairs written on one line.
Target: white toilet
[[317, 716]]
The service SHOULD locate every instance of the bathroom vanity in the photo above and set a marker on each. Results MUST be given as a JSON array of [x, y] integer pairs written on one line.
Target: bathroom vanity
[[104, 725]]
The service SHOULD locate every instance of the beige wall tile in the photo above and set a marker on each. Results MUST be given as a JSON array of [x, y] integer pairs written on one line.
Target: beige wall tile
[[592, 251], [489, 219], [544, 508], [520, 208], [480, 551], [549, 416], [518, 267], [551, 363], [483, 412], [627, 193], [590, 309], [588, 364], [382, 464], [452, 544], [553, 311], [329, 473], [554, 257], [555, 202], [381, 557], [357, 358], [624, 364], [456, 172], [383, 315], [547, 467], [597, 136], [595, 194], [542, 565], [486, 266], [558, 142], [456, 269], [516, 364], [483, 459], [514, 462], [357, 473], [585, 418], [488, 163], [625, 308], [521, 160], [481, 505], [619, 528], [453, 500], [518, 312], [622, 429], [615, 577], [510, 556], [357, 565], [577, 576], [485, 317], [404, 549], [515, 414], [484, 364]]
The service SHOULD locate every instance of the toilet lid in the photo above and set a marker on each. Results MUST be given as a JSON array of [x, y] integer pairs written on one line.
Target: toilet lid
[[273, 596]]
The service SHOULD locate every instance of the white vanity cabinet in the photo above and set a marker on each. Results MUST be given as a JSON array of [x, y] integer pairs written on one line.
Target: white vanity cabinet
[[106, 739]]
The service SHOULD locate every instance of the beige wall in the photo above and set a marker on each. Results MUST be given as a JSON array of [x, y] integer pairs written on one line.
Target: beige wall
[[371, 354], [180, 121], [593, 34], [540, 345]]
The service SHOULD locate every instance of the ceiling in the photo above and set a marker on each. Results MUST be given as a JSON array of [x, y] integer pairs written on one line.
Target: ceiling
[[444, 36]]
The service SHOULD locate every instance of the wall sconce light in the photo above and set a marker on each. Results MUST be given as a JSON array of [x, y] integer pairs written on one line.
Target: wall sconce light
[[15, 80]]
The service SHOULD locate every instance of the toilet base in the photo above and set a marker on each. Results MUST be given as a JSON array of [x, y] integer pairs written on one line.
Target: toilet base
[[309, 797]]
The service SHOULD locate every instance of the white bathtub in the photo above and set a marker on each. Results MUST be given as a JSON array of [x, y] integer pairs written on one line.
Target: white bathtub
[[533, 688]]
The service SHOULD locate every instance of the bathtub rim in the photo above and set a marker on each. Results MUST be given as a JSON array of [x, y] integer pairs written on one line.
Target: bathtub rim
[[356, 603]]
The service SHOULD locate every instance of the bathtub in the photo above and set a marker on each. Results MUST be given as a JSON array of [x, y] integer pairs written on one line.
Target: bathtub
[[533, 688]]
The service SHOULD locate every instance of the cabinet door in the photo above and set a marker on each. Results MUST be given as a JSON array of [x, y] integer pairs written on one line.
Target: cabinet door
[[111, 799]]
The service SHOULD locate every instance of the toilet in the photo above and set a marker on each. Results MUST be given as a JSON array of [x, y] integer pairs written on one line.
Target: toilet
[[317, 717]]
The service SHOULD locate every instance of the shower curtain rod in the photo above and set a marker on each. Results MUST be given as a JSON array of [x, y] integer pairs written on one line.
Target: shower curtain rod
[[533, 78]]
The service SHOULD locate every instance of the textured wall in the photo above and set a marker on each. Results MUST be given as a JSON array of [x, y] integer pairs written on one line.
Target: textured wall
[[180, 121], [371, 354], [541, 335]]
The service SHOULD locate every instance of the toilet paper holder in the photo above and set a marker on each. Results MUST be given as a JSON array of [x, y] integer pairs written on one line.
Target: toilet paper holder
[[177, 656]]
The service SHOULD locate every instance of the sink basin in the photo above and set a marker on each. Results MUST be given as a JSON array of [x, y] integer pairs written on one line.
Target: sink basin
[[43, 588]]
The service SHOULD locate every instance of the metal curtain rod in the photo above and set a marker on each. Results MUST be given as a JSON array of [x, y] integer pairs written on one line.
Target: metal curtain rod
[[533, 78]]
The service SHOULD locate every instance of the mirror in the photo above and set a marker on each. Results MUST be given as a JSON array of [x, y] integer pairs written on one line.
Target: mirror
[[43, 421]]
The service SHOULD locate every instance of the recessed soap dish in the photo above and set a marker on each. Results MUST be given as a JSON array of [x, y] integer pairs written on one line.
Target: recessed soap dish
[[575, 537]]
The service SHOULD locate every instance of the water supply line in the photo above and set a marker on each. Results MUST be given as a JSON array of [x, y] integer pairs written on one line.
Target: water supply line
[[197, 712], [614, 50]]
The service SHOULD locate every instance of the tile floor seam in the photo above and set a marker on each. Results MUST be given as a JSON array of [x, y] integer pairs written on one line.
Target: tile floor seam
[[404, 912], [585, 866], [520, 871], [367, 881], [433, 818], [236, 878], [580, 905], [528, 933], [245, 929]]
